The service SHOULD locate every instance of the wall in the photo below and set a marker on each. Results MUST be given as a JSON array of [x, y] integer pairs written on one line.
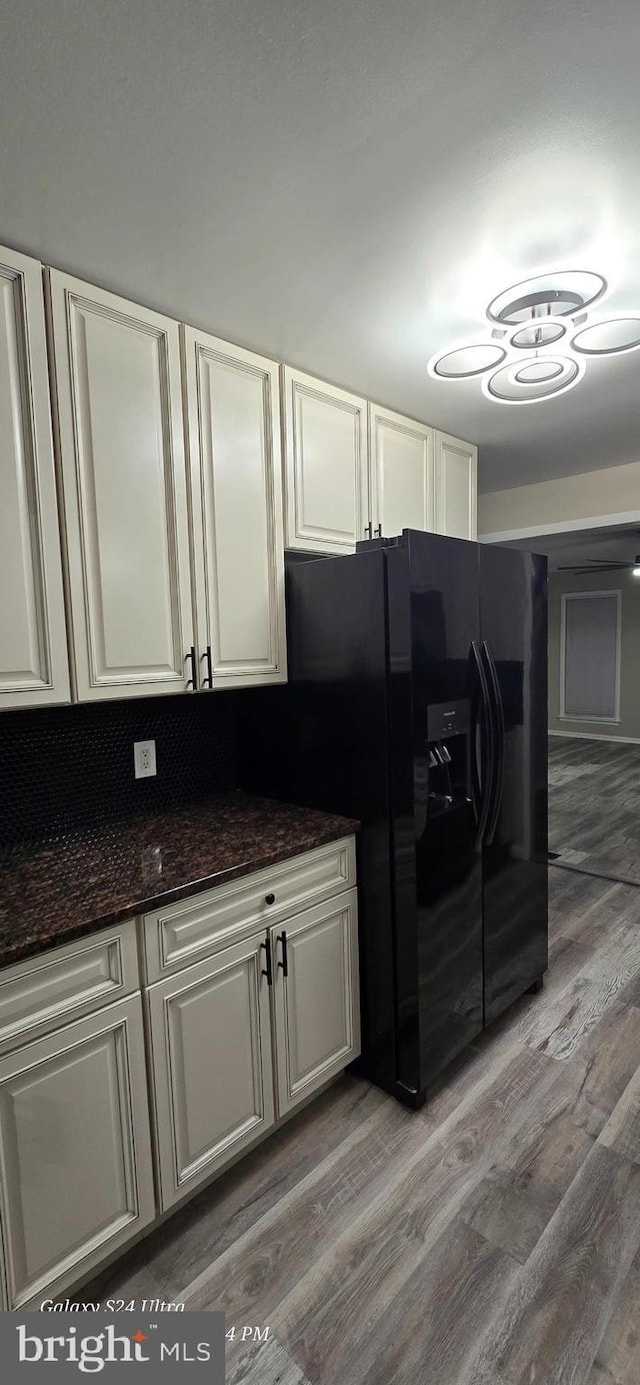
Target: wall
[[613, 491], [629, 725], [67, 769]]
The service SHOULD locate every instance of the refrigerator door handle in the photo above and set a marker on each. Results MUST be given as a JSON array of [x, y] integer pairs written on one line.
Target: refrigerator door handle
[[483, 780], [497, 714]]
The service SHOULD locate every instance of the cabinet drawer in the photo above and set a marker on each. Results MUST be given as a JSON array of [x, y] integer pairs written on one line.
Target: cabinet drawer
[[185, 932], [60, 985]]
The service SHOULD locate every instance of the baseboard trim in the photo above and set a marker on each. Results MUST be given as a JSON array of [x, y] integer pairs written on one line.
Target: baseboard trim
[[582, 869], [589, 736]]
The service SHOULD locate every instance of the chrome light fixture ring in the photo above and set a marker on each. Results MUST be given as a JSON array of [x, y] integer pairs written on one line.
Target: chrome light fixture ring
[[566, 292], [498, 355], [549, 330], [504, 387], [538, 371], [603, 328]]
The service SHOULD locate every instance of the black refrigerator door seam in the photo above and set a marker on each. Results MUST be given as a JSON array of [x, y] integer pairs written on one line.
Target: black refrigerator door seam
[[391, 805], [497, 711], [487, 747]]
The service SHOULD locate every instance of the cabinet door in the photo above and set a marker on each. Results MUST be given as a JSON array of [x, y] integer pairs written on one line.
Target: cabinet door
[[120, 429], [402, 476], [34, 666], [326, 466], [317, 1001], [75, 1158], [213, 1081], [456, 469], [234, 444]]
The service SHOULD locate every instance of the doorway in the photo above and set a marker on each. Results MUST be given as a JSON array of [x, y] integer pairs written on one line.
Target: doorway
[[594, 699]]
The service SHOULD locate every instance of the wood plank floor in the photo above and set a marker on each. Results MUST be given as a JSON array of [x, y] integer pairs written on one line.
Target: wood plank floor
[[594, 806], [492, 1238]]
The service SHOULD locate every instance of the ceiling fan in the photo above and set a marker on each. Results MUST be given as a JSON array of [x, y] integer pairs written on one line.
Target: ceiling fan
[[591, 565]]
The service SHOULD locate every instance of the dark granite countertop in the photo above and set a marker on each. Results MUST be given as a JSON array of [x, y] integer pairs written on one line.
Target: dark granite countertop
[[53, 893]]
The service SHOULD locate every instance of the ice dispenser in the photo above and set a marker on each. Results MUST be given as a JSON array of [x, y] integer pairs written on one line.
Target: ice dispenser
[[448, 756]]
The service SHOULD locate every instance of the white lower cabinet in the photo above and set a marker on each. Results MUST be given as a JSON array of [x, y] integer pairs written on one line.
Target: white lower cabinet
[[234, 1042], [214, 1064], [76, 1176], [212, 1069], [316, 991]]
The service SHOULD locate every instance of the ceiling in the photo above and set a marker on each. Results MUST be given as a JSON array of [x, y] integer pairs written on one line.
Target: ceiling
[[343, 184], [614, 545]]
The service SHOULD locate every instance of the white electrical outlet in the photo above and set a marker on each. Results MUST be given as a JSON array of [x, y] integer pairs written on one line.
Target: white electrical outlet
[[144, 759]]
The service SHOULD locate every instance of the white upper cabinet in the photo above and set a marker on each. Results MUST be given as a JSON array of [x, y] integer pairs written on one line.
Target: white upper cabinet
[[456, 487], [345, 483], [118, 386], [33, 648], [326, 468], [402, 473], [233, 421]]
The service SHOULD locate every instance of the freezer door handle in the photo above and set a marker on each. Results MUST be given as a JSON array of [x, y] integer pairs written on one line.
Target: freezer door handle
[[497, 717], [483, 773]]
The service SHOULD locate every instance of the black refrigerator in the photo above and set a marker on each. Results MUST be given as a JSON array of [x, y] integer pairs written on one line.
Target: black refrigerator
[[417, 703]]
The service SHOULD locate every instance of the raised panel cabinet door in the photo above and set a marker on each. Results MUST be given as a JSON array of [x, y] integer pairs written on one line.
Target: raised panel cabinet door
[[402, 473], [118, 388], [233, 415], [212, 1069], [317, 997], [326, 465], [456, 477], [76, 1178], [34, 666]]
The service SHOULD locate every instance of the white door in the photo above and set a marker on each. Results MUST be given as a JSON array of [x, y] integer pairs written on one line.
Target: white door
[[402, 473], [234, 444], [456, 479], [326, 468], [317, 997], [34, 666], [213, 1080], [76, 1177], [120, 424]]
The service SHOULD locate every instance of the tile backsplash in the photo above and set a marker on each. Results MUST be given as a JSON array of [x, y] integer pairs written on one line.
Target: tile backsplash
[[65, 769]]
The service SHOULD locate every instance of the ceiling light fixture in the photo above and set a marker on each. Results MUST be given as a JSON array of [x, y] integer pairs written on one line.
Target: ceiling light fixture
[[608, 338], [539, 332], [532, 317], [467, 361], [563, 295], [536, 371], [635, 571], [534, 379]]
